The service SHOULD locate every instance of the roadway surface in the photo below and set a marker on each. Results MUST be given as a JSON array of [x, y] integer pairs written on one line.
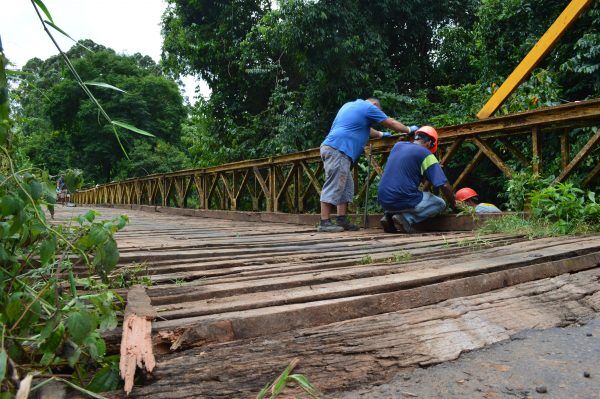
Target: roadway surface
[[238, 301]]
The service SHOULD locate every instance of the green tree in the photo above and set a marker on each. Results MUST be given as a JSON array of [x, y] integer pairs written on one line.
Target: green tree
[[279, 75], [69, 133]]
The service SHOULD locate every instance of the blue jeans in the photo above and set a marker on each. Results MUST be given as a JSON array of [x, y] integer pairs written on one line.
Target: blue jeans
[[429, 206]]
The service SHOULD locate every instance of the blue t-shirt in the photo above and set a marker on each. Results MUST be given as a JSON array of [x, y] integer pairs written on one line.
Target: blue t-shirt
[[350, 129], [406, 166]]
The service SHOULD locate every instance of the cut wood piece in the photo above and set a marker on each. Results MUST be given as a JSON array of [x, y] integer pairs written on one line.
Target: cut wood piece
[[341, 356], [136, 344], [198, 331]]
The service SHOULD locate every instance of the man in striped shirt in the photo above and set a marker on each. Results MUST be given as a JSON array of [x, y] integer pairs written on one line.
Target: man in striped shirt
[[408, 165]]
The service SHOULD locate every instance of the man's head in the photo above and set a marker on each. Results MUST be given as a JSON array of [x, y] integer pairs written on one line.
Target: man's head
[[427, 137], [374, 101]]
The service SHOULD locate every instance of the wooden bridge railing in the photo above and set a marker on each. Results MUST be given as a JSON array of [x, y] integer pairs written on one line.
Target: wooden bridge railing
[[292, 182]]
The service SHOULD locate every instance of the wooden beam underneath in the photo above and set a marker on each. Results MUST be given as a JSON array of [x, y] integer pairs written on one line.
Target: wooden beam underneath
[[585, 150], [491, 154]]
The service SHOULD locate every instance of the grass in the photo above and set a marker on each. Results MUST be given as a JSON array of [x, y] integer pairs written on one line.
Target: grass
[[366, 260], [532, 228], [127, 276], [274, 389], [401, 256], [396, 257], [179, 281], [477, 243]]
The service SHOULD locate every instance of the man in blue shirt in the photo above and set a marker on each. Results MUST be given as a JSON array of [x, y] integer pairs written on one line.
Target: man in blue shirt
[[407, 166], [342, 147]]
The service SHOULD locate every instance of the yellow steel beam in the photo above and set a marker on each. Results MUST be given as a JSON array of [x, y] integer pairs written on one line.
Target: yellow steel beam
[[535, 55]]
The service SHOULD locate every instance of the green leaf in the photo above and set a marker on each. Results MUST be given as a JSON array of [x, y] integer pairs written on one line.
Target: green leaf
[[47, 358], [132, 128], [52, 335], [10, 205], [96, 236], [107, 256], [263, 392], [122, 220], [108, 321], [96, 346], [303, 382], [47, 250], [72, 284], [17, 304], [42, 6], [12, 72], [79, 325], [105, 85], [36, 190], [73, 355], [90, 215], [106, 379], [282, 381], [3, 362], [59, 29]]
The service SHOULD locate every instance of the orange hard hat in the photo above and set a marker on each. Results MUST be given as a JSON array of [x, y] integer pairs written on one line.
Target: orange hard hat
[[465, 193], [431, 132]]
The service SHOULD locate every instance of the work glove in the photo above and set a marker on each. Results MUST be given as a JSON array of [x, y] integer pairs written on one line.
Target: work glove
[[386, 134], [413, 130]]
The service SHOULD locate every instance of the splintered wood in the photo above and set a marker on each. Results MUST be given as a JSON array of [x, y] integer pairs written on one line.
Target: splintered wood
[[236, 301], [136, 343]]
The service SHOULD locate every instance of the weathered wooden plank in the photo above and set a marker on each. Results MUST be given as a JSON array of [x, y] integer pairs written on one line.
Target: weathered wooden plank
[[363, 286], [343, 355], [222, 327]]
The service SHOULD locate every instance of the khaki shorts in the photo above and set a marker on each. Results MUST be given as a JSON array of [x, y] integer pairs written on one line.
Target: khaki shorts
[[339, 185]]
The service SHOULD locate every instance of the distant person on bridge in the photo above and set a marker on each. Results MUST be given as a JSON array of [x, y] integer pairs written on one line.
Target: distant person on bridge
[[469, 197], [408, 165], [342, 147]]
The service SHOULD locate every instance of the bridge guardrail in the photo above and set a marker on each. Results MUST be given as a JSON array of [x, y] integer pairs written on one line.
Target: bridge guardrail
[[292, 182]]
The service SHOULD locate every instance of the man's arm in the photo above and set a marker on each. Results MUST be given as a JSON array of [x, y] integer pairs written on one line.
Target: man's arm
[[395, 125], [375, 134], [449, 194]]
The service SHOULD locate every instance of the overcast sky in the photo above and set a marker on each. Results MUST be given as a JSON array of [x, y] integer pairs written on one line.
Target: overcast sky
[[126, 26]]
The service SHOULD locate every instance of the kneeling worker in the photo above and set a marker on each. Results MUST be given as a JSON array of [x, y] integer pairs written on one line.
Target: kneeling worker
[[407, 166], [469, 197]]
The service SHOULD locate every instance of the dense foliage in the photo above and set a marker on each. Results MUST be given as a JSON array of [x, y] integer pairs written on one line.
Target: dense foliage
[[554, 209], [68, 131], [51, 318], [279, 71]]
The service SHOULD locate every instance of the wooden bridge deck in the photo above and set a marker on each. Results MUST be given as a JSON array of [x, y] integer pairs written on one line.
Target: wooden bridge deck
[[237, 301]]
